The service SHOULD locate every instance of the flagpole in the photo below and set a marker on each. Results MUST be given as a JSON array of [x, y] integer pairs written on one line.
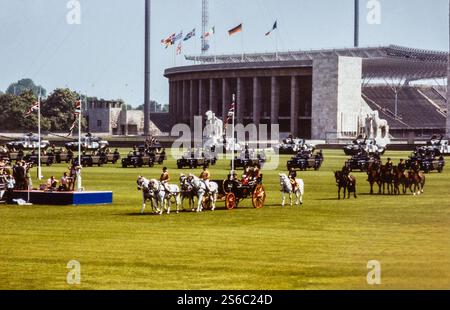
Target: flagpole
[[79, 181], [276, 44], [39, 137], [232, 136]]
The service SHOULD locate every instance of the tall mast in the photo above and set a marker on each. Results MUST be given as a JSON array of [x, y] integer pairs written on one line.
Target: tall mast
[[356, 44], [147, 69]]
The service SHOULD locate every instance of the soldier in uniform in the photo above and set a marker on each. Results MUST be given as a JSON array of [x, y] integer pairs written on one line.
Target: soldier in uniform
[[389, 164], [205, 176], [164, 179], [402, 166]]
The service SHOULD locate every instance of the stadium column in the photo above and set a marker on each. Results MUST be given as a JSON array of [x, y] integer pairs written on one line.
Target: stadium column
[[172, 103], [179, 101], [193, 98], [240, 101], [274, 101], [226, 98], [256, 101], [201, 97], [294, 105], [186, 107], [213, 99]]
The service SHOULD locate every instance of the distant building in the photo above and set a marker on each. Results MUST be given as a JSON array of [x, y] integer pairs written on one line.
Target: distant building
[[110, 117]]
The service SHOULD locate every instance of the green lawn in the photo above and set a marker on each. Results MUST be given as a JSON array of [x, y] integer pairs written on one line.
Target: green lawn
[[326, 244]]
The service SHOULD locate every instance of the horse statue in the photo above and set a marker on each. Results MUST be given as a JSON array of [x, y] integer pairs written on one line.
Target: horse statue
[[286, 188], [201, 192], [186, 192], [147, 194], [346, 182], [164, 198]]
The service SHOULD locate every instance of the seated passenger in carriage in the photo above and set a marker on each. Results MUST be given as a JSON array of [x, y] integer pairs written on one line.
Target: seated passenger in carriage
[[245, 181]]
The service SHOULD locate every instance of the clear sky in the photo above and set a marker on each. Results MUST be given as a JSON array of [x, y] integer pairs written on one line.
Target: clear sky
[[104, 56]]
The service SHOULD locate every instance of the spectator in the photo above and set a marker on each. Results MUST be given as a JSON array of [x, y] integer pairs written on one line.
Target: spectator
[[10, 184], [64, 183], [52, 183]]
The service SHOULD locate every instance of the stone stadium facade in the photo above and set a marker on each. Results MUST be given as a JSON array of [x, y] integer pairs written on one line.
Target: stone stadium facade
[[320, 95]]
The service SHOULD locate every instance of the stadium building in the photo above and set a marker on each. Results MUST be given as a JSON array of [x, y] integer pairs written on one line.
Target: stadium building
[[320, 95]]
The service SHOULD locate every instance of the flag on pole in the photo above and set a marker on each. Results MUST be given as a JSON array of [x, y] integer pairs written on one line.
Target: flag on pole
[[229, 116], [33, 108], [274, 27], [168, 41], [235, 30], [76, 115], [190, 35], [178, 37], [209, 33], [179, 48]]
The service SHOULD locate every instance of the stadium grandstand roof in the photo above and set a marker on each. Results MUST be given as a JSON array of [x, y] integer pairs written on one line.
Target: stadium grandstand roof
[[394, 62]]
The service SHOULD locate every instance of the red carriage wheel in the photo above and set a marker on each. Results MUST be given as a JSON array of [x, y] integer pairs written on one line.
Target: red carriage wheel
[[259, 197], [230, 201]]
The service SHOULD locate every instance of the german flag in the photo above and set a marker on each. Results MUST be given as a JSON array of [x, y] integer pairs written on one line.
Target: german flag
[[235, 30]]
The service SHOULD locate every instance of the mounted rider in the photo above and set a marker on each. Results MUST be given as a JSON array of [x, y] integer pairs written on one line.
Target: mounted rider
[[402, 166], [293, 178], [389, 165], [205, 177], [164, 179]]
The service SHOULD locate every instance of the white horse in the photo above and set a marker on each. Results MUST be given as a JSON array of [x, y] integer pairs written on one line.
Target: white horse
[[200, 191], [163, 198], [186, 192], [147, 194], [286, 188]]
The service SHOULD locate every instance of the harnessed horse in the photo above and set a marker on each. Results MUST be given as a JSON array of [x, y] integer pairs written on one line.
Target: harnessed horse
[[147, 194], [163, 197], [287, 188], [186, 192], [201, 191], [416, 179]]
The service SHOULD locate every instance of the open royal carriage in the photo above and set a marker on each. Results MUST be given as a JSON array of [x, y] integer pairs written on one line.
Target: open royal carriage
[[233, 191]]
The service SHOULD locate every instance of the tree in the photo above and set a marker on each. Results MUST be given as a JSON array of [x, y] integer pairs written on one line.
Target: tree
[[13, 113], [59, 109], [24, 85]]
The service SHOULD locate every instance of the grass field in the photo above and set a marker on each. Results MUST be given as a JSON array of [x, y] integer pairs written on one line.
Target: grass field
[[326, 244]]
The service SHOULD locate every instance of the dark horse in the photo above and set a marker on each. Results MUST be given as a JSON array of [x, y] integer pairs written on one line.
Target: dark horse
[[416, 179], [387, 179], [373, 173], [346, 182]]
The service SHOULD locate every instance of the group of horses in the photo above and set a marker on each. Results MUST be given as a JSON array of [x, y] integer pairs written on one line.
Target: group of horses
[[390, 179], [395, 179], [191, 188]]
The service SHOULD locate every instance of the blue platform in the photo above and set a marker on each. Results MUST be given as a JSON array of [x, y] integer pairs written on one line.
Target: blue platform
[[65, 198]]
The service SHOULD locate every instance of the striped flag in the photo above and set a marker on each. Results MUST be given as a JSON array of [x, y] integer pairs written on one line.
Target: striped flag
[[76, 115], [178, 37], [235, 30], [190, 35], [179, 48], [169, 40], [33, 108], [274, 27]]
